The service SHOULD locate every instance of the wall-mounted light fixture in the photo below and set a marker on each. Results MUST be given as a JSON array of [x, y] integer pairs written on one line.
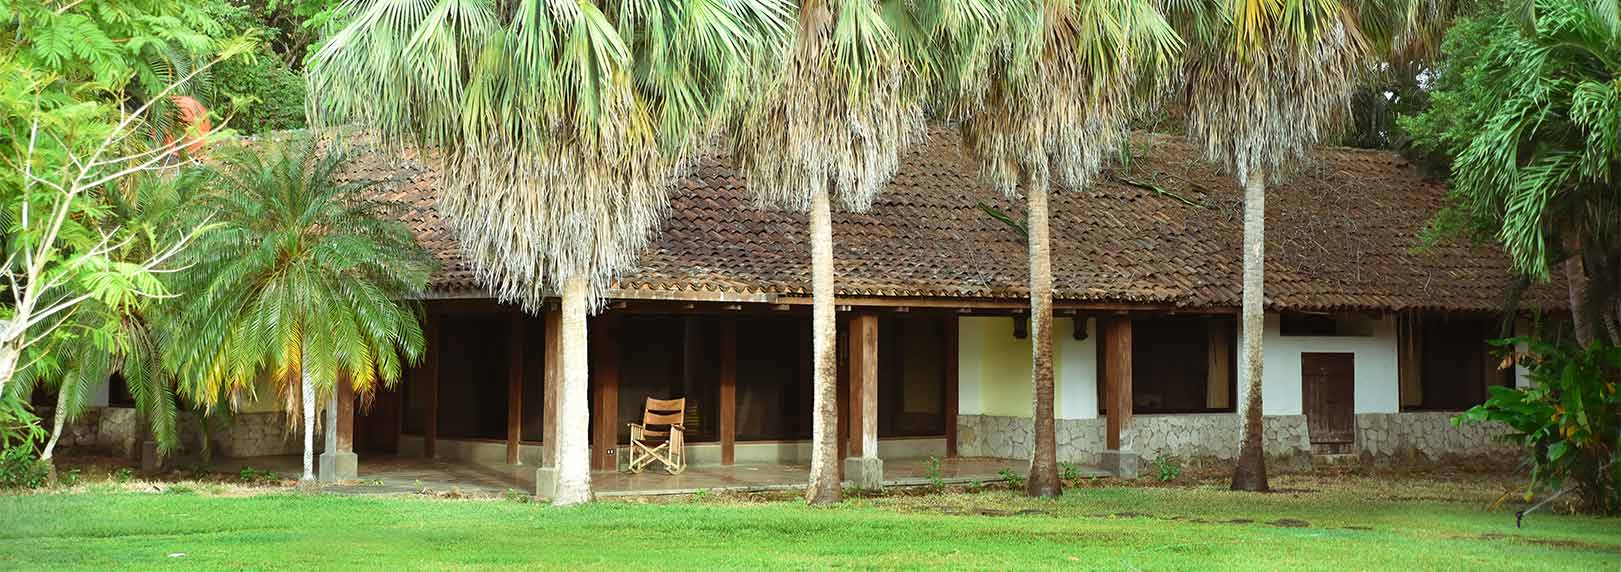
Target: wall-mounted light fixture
[[1080, 327], [1021, 326]]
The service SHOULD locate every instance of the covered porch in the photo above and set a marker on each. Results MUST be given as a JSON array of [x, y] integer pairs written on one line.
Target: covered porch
[[383, 475], [481, 398]]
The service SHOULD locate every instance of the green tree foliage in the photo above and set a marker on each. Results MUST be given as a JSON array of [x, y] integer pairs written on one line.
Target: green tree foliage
[[1529, 103], [1569, 419], [88, 123]]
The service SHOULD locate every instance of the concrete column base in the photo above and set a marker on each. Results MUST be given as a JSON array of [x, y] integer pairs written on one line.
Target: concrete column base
[[1122, 464], [336, 467], [866, 472], [150, 460], [546, 482]]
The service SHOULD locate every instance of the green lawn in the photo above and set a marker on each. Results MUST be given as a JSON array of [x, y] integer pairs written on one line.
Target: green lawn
[[1333, 523]]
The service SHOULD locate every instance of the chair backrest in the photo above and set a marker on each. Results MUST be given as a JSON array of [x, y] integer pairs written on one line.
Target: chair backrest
[[665, 412]]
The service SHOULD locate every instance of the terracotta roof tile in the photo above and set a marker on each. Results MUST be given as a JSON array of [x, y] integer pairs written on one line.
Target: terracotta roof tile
[[1340, 235]]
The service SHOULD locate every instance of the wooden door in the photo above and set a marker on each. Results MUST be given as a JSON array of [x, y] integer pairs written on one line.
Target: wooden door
[[1329, 393]]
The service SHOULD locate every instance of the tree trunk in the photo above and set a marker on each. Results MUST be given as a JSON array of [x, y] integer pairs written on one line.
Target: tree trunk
[[1043, 480], [1250, 474], [824, 485], [1576, 279], [574, 420], [9, 354], [307, 401], [60, 419]]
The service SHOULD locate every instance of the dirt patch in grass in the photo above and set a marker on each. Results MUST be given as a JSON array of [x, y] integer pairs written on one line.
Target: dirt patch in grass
[[1290, 523], [1550, 542]]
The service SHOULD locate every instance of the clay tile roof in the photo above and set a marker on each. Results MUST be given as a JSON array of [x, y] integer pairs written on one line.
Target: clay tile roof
[[1341, 235]]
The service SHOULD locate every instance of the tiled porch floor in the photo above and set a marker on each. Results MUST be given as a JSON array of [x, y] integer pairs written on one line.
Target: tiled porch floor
[[382, 474]]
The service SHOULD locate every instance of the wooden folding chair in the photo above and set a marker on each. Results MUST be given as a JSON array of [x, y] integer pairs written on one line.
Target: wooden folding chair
[[667, 446]]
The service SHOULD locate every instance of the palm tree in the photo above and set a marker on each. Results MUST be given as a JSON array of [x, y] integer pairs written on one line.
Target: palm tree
[[559, 126], [849, 98], [303, 277], [1262, 83], [1060, 94]]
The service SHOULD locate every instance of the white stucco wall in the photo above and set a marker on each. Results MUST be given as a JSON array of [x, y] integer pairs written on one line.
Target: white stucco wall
[[1077, 370], [1375, 367]]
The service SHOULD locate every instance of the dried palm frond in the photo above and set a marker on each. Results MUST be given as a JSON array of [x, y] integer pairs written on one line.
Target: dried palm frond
[[1062, 90], [559, 124]]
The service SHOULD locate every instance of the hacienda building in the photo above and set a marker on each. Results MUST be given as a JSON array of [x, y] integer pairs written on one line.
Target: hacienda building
[[1371, 343]]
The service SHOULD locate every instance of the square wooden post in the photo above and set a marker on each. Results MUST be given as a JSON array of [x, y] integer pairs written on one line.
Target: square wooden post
[[1118, 370], [1218, 335], [430, 371], [551, 378], [551, 382], [863, 465], [949, 330], [605, 379], [842, 382], [728, 390], [515, 347]]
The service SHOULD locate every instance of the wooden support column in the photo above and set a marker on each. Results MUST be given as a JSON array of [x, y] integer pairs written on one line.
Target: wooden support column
[[1409, 360], [605, 379], [1118, 370], [842, 355], [1218, 336], [949, 330], [863, 386], [430, 386], [345, 397], [552, 379], [728, 390], [515, 347]]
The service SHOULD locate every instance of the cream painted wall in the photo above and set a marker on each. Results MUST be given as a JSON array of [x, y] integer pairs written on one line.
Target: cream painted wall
[[993, 369], [1375, 369]]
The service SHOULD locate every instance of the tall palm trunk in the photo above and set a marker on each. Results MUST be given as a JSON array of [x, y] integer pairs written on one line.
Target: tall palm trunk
[[1250, 474], [307, 399], [1576, 284], [1043, 481], [573, 455], [824, 485]]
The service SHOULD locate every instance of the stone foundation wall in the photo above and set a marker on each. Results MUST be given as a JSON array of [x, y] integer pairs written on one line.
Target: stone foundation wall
[[1079, 440], [1211, 438], [1428, 438], [1202, 439], [260, 434], [114, 430]]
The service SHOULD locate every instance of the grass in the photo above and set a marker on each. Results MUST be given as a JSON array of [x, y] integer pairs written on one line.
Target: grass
[[1318, 523]]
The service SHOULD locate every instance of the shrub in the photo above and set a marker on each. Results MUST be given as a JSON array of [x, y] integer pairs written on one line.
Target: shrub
[[1014, 480], [1568, 420], [123, 475], [20, 468], [1167, 469], [1069, 472], [932, 471]]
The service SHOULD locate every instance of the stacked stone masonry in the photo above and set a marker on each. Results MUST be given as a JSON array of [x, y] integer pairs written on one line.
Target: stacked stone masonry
[[115, 431], [1200, 439]]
